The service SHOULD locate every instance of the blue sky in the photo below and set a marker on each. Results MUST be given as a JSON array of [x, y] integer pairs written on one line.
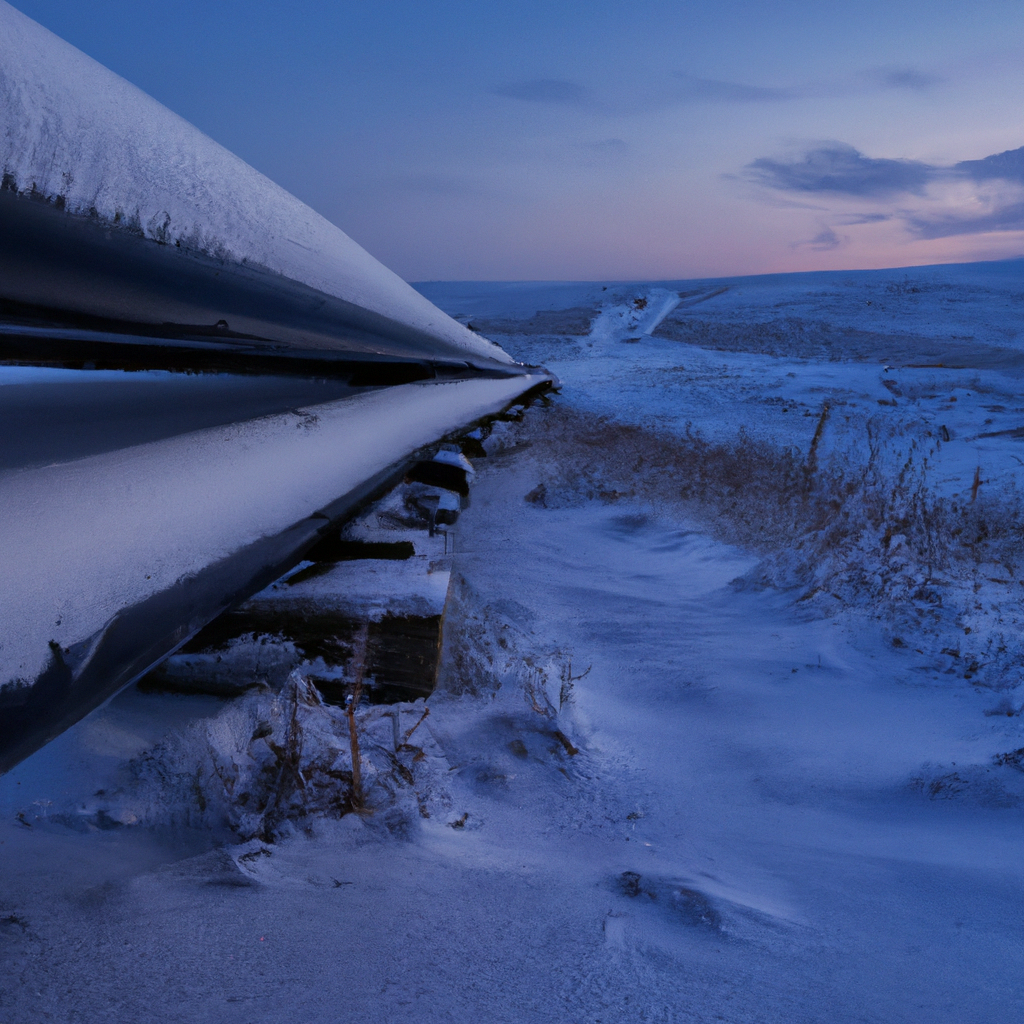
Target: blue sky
[[530, 140]]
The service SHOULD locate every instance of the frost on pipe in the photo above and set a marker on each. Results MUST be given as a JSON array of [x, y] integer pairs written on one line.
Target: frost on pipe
[[121, 222], [108, 563], [130, 239]]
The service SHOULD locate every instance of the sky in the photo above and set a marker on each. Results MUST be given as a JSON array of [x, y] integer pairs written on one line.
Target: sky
[[460, 140]]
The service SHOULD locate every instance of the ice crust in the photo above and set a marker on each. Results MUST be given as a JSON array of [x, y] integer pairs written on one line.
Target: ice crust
[[75, 133]]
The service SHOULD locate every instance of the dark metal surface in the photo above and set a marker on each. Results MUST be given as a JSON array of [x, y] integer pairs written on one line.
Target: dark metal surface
[[43, 423], [93, 417], [77, 292], [67, 273], [138, 638]]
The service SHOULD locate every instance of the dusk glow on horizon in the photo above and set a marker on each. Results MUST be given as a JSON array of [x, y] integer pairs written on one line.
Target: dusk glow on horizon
[[652, 140]]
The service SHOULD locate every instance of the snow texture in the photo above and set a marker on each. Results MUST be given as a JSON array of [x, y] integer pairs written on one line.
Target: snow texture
[[728, 727], [78, 135], [81, 540]]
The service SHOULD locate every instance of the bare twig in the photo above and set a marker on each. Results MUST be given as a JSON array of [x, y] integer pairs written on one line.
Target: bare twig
[[358, 670], [426, 711], [812, 454]]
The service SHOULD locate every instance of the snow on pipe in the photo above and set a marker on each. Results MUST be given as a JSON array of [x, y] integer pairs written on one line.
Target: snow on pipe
[[116, 214], [122, 225], [109, 563]]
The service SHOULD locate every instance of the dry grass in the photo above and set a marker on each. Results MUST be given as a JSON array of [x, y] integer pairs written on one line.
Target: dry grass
[[859, 527]]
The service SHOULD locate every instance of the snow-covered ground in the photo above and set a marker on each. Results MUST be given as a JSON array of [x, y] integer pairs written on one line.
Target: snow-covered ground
[[729, 720]]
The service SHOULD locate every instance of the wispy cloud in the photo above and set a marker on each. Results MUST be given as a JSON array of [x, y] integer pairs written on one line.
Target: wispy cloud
[[712, 90], [1007, 217], [851, 219], [686, 88], [1008, 166], [825, 240], [695, 89], [544, 90], [969, 197], [838, 168], [904, 78]]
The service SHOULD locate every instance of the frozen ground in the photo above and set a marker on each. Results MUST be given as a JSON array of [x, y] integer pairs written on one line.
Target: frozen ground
[[729, 725]]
